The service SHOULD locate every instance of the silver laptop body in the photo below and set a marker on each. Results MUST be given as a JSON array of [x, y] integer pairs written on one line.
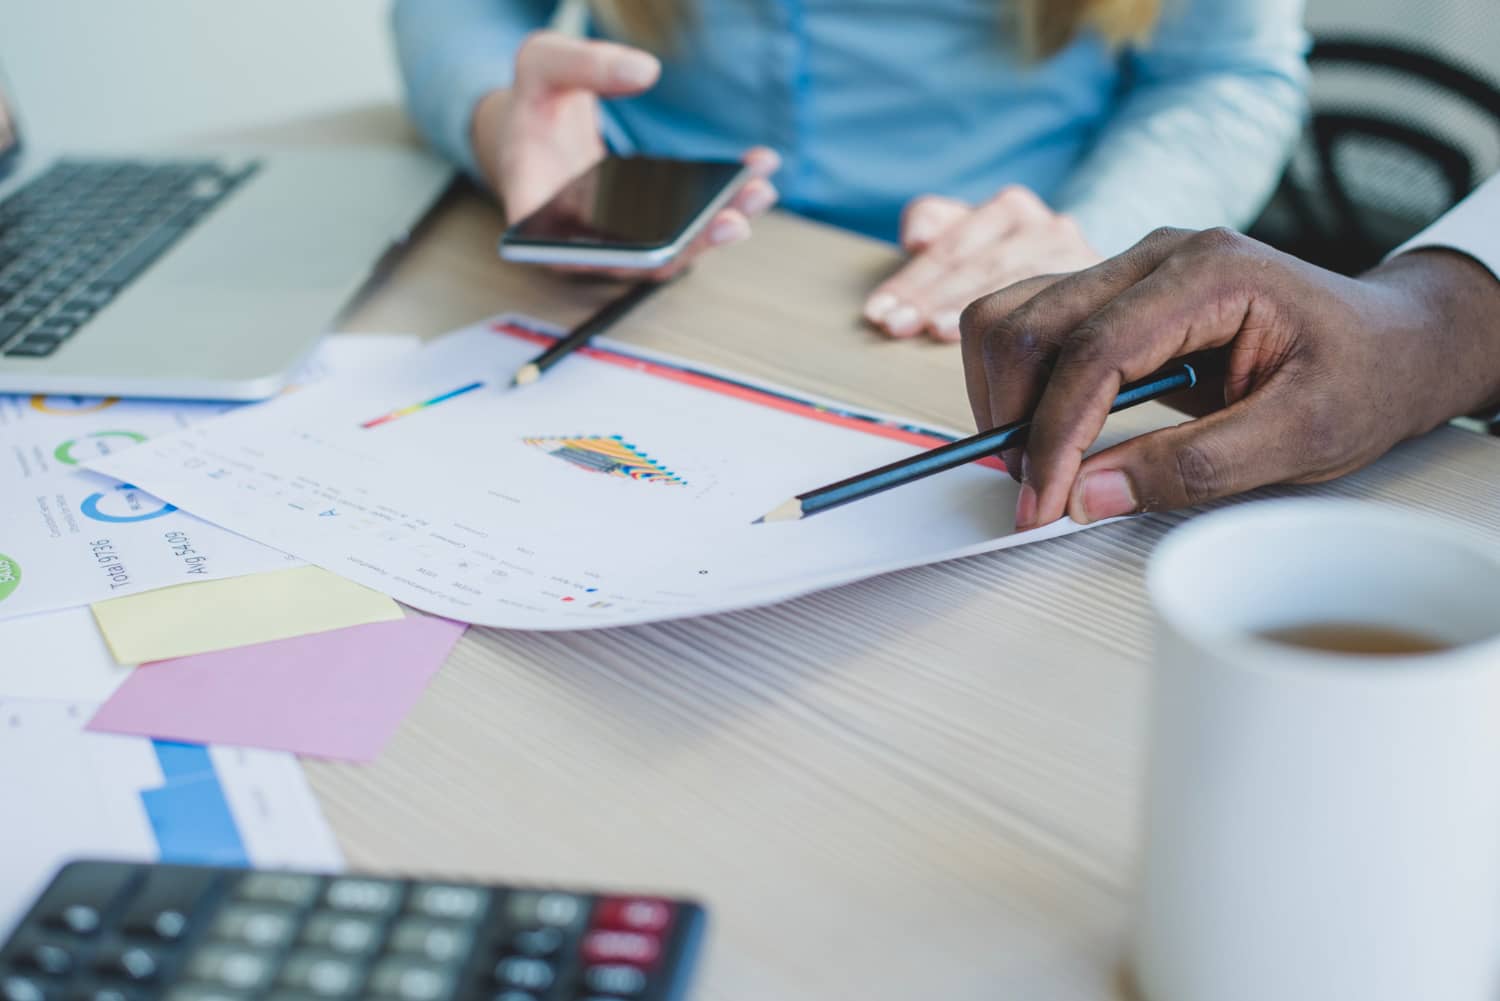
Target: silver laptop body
[[234, 303]]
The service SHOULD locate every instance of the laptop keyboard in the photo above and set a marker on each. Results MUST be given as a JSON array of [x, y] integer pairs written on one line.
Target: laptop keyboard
[[76, 235]]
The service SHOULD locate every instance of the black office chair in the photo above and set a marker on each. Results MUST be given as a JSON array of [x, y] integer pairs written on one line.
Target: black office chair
[[1396, 137]]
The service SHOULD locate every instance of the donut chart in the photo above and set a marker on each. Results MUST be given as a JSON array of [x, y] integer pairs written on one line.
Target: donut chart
[[123, 505], [64, 452]]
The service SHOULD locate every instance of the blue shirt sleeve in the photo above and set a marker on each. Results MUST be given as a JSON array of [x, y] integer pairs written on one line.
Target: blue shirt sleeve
[[1210, 108], [454, 52]]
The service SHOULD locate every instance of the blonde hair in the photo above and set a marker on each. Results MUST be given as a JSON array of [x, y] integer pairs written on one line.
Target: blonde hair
[[1045, 26]]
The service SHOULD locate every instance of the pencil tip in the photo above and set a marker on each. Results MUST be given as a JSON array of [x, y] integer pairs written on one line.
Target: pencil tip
[[759, 521], [526, 375], [789, 511]]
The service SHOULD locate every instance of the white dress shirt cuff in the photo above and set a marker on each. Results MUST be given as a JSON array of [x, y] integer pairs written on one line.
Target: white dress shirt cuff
[[1472, 227]]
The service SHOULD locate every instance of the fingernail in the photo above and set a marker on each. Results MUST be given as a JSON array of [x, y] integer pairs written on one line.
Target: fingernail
[[880, 305], [728, 231], [1026, 508], [634, 69], [1012, 459], [946, 325], [903, 321], [1105, 494], [758, 199]]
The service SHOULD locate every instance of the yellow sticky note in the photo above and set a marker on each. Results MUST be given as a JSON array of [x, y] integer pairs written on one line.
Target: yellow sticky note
[[220, 614]]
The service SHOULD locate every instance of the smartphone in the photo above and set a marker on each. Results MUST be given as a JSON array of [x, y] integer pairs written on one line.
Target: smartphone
[[626, 212]]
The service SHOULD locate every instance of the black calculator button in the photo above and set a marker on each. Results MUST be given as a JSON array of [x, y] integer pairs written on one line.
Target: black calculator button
[[367, 896], [133, 963], [321, 975], [82, 887], [410, 980], [165, 902], [237, 969], [47, 958], [169, 925], [438, 941], [618, 980], [80, 919], [525, 973], [538, 943], [453, 903], [290, 889], [24, 989], [350, 934], [258, 926], [559, 910]]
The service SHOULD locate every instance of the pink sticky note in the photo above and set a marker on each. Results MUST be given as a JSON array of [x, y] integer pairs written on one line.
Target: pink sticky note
[[338, 694]]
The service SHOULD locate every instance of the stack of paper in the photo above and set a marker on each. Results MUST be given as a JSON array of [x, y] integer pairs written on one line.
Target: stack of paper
[[619, 489], [294, 666]]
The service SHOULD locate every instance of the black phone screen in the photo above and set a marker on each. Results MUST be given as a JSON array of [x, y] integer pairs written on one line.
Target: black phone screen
[[630, 202]]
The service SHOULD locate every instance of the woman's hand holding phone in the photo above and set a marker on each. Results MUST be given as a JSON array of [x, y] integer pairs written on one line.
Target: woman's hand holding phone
[[531, 139]]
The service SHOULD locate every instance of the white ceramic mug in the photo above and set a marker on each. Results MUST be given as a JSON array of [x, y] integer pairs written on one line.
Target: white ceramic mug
[[1322, 826]]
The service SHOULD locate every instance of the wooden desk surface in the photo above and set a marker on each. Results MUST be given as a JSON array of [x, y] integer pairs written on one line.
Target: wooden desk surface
[[923, 786]]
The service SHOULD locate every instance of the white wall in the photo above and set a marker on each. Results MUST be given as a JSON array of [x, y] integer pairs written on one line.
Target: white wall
[[114, 73]]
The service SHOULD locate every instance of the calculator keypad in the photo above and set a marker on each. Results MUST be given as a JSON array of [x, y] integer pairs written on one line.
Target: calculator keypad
[[116, 932]]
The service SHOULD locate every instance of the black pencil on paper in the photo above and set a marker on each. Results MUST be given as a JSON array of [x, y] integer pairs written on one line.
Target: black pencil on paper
[[585, 332], [959, 453]]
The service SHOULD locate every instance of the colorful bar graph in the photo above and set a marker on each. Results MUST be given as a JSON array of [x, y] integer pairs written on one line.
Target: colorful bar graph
[[609, 454]]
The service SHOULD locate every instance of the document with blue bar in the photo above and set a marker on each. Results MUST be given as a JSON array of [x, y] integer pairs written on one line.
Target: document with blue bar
[[72, 793]]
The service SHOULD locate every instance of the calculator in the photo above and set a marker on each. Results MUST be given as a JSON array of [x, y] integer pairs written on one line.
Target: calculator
[[115, 931]]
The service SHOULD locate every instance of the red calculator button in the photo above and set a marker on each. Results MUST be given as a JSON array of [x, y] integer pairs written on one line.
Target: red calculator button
[[634, 914], [630, 947]]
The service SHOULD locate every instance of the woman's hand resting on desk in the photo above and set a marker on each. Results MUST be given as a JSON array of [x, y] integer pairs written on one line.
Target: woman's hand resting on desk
[[962, 251], [545, 130], [1322, 374]]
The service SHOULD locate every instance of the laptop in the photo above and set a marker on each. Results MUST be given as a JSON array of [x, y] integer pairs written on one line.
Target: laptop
[[192, 276]]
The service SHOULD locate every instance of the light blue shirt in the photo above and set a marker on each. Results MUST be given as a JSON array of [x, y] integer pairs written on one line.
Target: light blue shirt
[[872, 102]]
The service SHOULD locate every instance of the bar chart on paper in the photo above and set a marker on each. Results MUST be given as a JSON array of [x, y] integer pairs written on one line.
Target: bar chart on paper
[[71, 793], [620, 489], [611, 455]]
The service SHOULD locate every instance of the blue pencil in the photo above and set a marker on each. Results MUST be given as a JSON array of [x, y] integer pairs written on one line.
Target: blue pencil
[[959, 453]]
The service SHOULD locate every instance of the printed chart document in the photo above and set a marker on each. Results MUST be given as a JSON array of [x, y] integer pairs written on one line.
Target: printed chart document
[[58, 655], [70, 537], [71, 793], [77, 538], [619, 489], [46, 435]]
